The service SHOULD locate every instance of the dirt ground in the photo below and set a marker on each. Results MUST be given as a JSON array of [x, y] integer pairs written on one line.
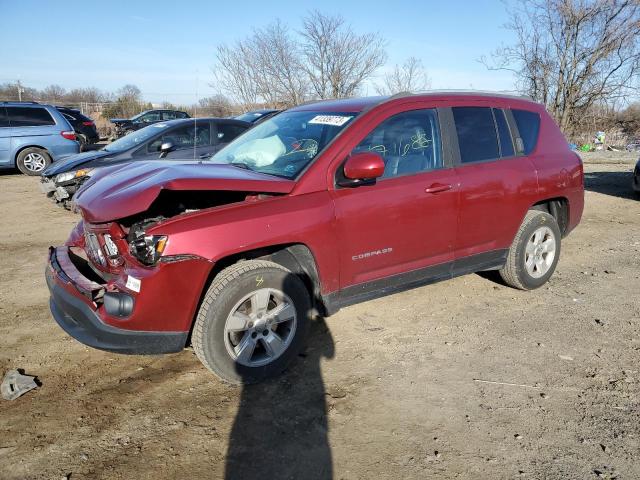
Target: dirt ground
[[462, 379]]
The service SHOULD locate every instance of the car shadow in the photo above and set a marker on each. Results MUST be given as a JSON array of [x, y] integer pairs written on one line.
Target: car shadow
[[616, 184], [281, 427]]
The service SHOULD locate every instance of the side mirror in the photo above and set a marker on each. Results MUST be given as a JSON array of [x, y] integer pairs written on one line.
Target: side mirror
[[165, 148], [361, 169]]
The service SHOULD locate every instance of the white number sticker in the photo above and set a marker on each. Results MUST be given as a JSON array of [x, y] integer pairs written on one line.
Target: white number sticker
[[133, 283], [335, 120]]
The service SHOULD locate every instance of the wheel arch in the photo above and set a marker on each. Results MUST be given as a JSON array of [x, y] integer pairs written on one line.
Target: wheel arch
[[296, 257], [558, 208], [24, 147]]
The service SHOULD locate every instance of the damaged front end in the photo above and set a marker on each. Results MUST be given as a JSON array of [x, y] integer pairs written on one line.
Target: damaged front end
[[62, 187], [125, 281], [109, 294]]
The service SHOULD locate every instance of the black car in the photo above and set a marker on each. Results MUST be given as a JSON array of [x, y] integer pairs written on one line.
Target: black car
[[85, 128], [257, 116], [174, 140], [124, 126], [636, 179]]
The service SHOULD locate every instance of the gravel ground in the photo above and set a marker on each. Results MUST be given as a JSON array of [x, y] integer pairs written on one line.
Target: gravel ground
[[462, 379]]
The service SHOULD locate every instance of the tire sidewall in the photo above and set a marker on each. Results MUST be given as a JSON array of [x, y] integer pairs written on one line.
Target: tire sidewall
[[214, 347], [27, 151], [540, 220]]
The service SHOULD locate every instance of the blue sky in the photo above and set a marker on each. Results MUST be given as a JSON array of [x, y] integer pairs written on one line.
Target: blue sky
[[167, 48]]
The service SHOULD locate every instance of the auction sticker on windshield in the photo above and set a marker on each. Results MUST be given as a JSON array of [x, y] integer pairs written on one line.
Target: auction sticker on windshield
[[335, 120]]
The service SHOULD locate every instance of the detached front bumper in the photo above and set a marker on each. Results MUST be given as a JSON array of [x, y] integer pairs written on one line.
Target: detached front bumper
[[56, 192], [73, 307]]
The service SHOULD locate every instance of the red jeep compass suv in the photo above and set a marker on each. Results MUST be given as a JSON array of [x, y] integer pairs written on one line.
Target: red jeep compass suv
[[321, 206]]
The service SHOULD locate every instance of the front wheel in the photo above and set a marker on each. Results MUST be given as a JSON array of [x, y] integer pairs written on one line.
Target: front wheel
[[252, 322], [534, 253]]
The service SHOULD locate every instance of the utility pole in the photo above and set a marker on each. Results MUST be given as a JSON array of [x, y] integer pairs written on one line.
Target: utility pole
[[20, 90]]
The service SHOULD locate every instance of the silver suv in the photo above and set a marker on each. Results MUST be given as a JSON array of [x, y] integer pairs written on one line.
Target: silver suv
[[33, 135]]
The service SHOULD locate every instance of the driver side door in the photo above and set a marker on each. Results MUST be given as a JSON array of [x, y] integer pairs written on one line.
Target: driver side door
[[401, 230]]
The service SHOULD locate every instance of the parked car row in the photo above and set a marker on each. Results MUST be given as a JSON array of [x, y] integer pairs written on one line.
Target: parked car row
[[315, 208]]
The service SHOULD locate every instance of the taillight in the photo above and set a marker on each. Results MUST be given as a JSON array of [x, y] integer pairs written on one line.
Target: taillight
[[69, 135], [87, 124]]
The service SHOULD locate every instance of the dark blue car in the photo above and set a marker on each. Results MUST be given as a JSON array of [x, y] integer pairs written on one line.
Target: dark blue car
[[186, 139]]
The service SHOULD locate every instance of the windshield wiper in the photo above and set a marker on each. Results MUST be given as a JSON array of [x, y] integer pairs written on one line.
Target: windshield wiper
[[241, 165]]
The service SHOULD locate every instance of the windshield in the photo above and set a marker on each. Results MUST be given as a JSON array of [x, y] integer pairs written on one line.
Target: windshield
[[285, 144], [135, 138]]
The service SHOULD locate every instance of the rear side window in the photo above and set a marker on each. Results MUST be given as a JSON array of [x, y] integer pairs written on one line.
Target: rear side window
[[476, 131], [4, 120], [181, 115], [506, 143], [29, 117], [227, 132], [528, 126]]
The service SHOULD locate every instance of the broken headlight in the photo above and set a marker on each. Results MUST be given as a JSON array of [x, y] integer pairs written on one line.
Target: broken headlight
[[148, 248], [65, 177]]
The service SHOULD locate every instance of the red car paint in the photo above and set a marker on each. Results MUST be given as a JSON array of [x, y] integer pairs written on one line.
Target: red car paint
[[355, 235]]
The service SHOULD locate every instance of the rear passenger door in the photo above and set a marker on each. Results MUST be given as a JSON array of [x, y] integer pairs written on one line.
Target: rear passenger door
[[5, 137], [406, 222], [497, 184]]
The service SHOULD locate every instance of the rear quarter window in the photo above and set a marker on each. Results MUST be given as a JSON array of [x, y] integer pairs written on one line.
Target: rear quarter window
[[529, 127], [29, 117]]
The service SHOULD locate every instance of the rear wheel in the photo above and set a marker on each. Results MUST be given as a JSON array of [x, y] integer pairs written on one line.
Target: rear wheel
[[33, 161], [534, 253], [252, 322]]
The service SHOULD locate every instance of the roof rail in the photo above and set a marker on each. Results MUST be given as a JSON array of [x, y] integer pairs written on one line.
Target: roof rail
[[501, 93], [20, 101]]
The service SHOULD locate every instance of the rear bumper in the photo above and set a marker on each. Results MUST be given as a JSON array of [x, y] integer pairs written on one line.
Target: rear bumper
[[75, 312]]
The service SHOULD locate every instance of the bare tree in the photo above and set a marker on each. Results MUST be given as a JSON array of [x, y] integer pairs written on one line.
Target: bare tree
[[53, 93], [263, 68], [338, 60], [235, 73], [572, 54], [408, 77], [280, 74], [215, 106]]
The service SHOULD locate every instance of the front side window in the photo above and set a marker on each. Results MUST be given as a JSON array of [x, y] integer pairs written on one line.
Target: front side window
[[285, 144], [528, 127], [184, 137], [151, 117], [408, 142], [29, 117], [476, 131]]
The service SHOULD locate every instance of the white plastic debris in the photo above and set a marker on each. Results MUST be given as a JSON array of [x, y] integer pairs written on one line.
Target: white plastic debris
[[15, 384]]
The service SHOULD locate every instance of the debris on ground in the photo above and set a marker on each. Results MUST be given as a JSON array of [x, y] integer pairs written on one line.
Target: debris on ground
[[16, 384]]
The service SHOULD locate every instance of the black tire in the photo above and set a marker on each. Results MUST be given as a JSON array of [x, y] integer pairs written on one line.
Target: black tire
[[515, 273], [228, 288], [82, 141], [23, 160]]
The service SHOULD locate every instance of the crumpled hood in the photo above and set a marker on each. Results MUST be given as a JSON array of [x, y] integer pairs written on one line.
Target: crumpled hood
[[124, 190], [119, 120], [74, 162]]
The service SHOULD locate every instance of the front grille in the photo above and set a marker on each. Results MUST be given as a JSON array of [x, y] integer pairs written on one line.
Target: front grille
[[94, 251]]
